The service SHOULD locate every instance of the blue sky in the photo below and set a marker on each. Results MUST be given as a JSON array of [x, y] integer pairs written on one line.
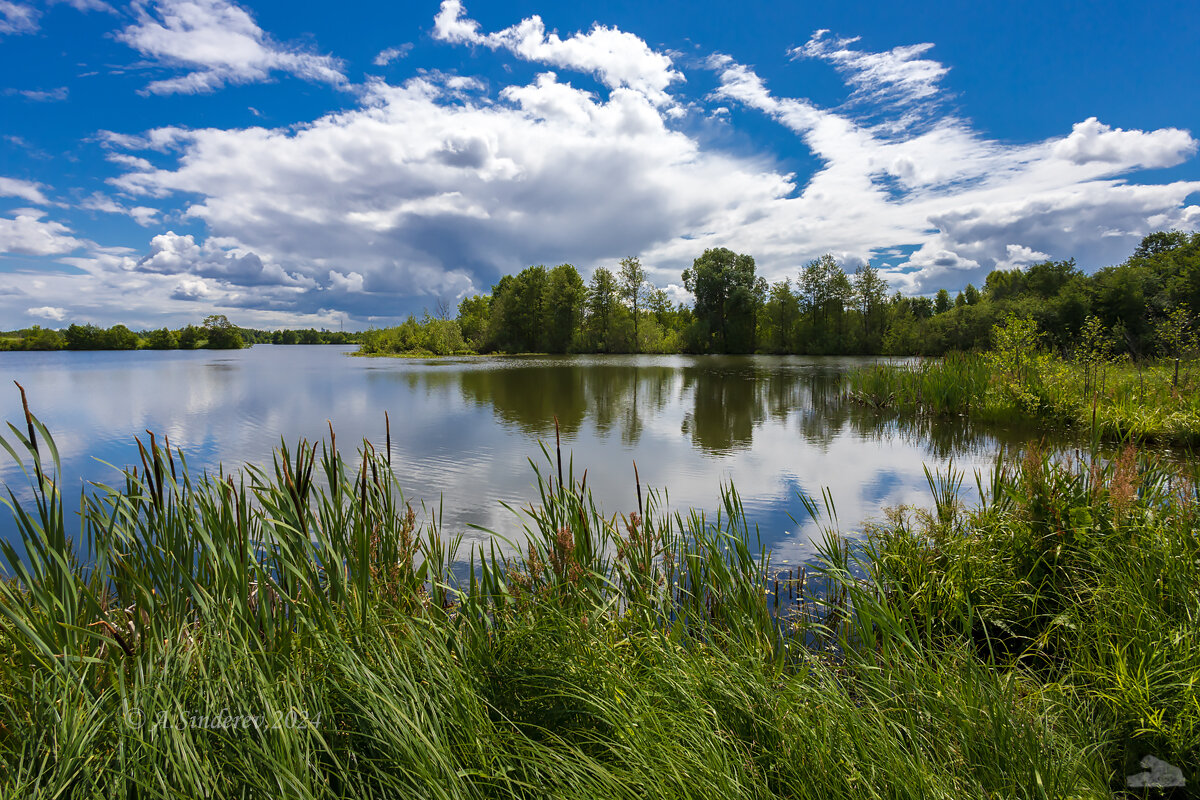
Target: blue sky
[[318, 164]]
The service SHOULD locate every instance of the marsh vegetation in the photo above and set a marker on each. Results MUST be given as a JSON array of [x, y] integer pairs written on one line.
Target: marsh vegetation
[[298, 629], [1093, 392]]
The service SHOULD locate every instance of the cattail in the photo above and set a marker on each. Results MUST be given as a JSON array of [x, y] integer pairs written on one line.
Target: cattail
[[637, 479], [29, 423], [558, 452]]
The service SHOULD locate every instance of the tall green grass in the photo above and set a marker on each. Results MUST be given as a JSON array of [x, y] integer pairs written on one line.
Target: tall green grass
[[1080, 573], [298, 631], [955, 384], [1113, 402]]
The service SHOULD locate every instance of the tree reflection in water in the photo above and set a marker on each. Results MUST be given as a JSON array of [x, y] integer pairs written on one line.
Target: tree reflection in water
[[726, 400]]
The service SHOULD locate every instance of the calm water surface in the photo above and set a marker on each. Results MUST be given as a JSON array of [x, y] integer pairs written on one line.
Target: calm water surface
[[463, 430]]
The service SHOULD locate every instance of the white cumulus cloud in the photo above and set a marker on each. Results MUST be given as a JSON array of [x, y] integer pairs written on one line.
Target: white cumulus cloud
[[27, 233], [26, 190], [86, 5], [427, 190], [616, 58], [173, 254], [351, 282], [142, 215], [53, 313], [1092, 140], [55, 95], [220, 43], [963, 199]]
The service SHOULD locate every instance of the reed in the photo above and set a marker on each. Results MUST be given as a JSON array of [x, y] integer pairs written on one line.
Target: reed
[[1112, 401], [1077, 572], [955, 384], [299, 630]]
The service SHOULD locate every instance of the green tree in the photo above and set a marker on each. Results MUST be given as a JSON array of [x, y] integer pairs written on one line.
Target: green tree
[[757, 299], [39, 338], [1173, 258], [1159, 243], [1001, 284], [498, 333], [825, 291], [516, 320], [726, 293], [562, 311], [1120, 296], [1047, 278], [442, 337], [1092, 353], [189, 337], [162, 339], [221, 333], [659, 304], [813, 287], [525, 308], [1176, 336], [780, 314], [118, 337], [941, 303], [601, 306], [922, 307], [474, 313], [632, 286], [870, 292], [84, 337], [1015, 348]]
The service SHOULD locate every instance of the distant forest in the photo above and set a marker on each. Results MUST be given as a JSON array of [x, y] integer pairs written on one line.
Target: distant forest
[[215, 333], [1146, 305]]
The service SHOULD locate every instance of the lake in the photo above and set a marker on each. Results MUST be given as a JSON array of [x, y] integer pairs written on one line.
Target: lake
[[464, 429]]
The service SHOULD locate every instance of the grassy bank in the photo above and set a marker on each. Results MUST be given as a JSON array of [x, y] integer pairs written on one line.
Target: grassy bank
[[1080, 575], [427, 354], [294, 631], [1114, 401]]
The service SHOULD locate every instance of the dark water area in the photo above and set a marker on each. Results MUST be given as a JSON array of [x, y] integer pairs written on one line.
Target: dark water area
[[464, 430]]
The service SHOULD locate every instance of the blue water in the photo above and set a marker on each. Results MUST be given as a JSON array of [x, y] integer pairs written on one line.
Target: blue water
[[463, 430]]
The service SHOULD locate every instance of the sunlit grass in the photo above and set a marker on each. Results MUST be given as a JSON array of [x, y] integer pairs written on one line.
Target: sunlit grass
[[297, 631], [1079, 573], [1116, 402]]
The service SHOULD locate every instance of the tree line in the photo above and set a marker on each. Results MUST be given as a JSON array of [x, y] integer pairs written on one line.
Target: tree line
[[549, 310], [1146, 305], [216, 332]]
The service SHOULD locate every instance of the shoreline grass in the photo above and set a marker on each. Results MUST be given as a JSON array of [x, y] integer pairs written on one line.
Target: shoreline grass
[[1111, 401], [1078, 573], [432, 356], [295, 632]]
